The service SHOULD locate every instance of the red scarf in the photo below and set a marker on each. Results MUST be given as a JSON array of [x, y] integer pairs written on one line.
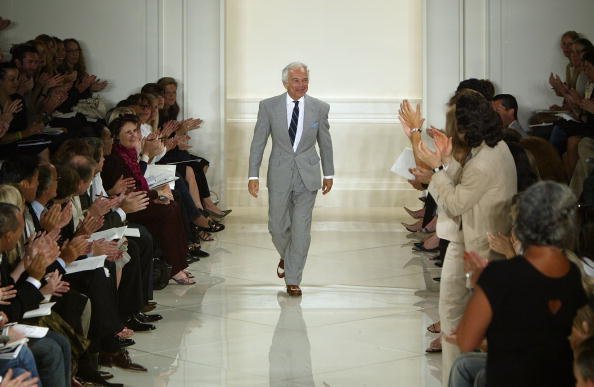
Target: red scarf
[[130, 158]]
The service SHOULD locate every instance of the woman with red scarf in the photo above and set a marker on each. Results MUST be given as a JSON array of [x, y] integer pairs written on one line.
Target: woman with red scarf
[[163, 216]]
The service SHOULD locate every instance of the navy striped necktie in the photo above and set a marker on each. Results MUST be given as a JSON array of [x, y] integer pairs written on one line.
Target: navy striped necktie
[[294, 120]]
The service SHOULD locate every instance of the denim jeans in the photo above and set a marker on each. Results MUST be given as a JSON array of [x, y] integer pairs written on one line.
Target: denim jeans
[[22, 363], [469, 370]]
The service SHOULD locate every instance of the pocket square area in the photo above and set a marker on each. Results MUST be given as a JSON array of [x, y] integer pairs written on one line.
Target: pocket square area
[[315, 125]]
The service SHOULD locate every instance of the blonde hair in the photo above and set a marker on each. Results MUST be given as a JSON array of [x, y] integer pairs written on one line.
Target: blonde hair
[[118, 112], [11, 195]]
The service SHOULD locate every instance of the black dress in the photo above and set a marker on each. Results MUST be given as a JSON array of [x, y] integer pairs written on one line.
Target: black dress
[[528, 343]]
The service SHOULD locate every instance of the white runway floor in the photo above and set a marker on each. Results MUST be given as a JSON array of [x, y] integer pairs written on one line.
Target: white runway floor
[[361, 320]]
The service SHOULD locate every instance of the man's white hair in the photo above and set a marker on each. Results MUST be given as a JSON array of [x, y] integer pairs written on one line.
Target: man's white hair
[[293, 66]]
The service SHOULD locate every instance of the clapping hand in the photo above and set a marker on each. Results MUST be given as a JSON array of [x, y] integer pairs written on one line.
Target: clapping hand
[[56, 217], [501, 244], [23, 380], [474, 265], [74, 248], [9, 110], [122, 185], [109, 248], [98, 85], [409, 118], [443, 150], [54, 285], [422, 175], [134, 202], [102, 206], [190, 124], [89, 225], [169, 128], [7, 293], [86, 82]]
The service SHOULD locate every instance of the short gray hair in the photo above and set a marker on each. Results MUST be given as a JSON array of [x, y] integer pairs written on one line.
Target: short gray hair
[[545, 215], [293, 66]]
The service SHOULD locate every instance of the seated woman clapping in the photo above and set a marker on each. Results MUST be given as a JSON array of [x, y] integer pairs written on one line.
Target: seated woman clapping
[[162, 217], [525, 306]]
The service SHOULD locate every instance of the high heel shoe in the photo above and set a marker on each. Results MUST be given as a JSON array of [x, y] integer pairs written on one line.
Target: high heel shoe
[[219, 215], [418, 214], [416, 227]]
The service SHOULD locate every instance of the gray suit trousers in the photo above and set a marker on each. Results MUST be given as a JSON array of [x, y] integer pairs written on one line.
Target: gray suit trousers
[[289, 224]]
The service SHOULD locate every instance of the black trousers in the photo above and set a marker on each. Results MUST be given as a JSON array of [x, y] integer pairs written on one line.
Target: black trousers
[[101, 290]]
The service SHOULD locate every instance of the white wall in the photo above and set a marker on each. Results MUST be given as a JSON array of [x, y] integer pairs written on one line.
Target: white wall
[[119, 38], [524, 46]]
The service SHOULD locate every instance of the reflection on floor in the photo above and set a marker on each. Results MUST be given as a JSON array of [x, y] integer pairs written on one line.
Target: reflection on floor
[[361, 320]]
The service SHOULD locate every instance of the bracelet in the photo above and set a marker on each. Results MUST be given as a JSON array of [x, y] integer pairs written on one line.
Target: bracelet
[[414, 130], [440, 168]]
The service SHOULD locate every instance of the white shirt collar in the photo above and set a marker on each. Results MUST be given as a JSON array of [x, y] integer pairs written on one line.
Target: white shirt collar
[[290, 100]]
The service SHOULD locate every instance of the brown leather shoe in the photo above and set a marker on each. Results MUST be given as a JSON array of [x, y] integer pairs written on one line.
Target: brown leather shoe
[[294, 290], [120, 359], [280, 269]]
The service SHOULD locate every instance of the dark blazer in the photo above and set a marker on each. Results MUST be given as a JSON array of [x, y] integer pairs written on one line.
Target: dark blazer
[[27, 298]]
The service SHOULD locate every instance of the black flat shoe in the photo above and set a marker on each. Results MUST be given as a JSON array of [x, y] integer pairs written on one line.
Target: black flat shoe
[[139, 326], [191, 258], [147, 318], [123, 343]]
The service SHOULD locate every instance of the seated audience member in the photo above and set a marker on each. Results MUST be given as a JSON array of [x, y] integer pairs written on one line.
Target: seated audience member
[[14, 110], [506, 106], [162, 210], [571, 71], [52, 352], [199, 165], [525, 306]]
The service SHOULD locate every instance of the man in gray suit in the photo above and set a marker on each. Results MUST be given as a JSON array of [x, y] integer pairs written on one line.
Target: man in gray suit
[[295, 122]]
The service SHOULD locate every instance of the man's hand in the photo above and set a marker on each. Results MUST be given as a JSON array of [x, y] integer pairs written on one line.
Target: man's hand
[[109, 248], [89, 225], [74, 248], [254, 187], [23, 380], [326, 186], [7, 293]]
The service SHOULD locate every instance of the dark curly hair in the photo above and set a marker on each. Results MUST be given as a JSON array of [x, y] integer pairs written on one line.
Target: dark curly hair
[[483, 86], [477, 120]]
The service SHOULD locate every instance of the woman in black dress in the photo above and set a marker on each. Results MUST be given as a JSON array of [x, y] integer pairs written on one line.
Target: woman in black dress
[[525, 306]]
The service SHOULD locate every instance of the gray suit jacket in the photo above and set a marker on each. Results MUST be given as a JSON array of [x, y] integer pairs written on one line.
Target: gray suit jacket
[[272, 121]]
